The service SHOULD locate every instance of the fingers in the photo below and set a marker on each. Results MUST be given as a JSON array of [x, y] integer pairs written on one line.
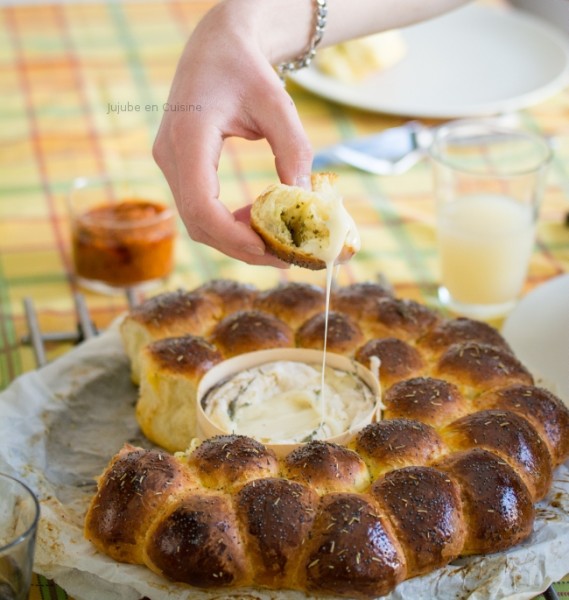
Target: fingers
[[287, 138], [211, 223], [189, 163], [188, 148]]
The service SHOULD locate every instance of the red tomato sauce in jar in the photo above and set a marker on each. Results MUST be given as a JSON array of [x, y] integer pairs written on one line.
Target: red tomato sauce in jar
[[124, 243]]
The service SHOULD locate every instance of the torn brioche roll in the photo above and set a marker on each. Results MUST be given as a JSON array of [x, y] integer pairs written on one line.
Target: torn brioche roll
[[355, 60], [310, 229]]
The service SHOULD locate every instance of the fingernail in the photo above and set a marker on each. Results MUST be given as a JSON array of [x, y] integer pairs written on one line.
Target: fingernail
[[304, 182], [256, 250]]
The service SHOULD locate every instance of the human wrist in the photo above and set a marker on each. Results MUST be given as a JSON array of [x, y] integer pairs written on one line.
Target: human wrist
[[305, 59], [283, 28]]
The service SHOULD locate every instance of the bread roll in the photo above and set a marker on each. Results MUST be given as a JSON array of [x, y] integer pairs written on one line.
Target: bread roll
[[546, 413], [233, 295], [354, 60], [358, 300], [397, 443], [467, 444], [460, 330], [432, 535], [307, 228], [197, 542], [473, 366], [133, 491], [290, 507], [344, 336], [352, 551], [432, 401], [398, 317], [316, 520], [170, 314], [250, 330], [294, 303], [327, 467], [171, 371], [511, 438], [497, 505], [227, 461], [398, 359]]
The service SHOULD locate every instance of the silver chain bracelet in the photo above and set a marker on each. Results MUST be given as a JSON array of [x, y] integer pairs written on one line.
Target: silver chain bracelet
[[305, 59]]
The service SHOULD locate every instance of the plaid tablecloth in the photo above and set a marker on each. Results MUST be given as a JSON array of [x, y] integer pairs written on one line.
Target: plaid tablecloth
[[60, 68]]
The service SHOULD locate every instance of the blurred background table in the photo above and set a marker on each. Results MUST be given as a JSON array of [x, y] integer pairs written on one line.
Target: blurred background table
[[61, 65]]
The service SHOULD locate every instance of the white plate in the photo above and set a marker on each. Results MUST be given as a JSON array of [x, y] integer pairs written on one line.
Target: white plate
[[538, 332], [474, 61]]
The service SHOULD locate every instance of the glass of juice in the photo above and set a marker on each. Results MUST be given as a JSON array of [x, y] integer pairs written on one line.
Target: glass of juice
[[122, 233], [488, 183], [19, 515]]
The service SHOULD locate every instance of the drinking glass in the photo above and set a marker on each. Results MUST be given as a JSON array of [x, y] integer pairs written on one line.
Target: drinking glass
[[19, 515], [488, 184]]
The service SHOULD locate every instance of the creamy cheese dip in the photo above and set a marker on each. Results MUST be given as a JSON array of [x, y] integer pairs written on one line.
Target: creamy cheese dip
[[281, 402]]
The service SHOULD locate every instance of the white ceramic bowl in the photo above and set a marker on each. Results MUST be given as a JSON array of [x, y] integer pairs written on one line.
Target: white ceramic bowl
[[556, 12], [231, 367]]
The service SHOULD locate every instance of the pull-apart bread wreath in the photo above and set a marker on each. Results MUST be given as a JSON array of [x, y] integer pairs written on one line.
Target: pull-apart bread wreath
[[466, 445]]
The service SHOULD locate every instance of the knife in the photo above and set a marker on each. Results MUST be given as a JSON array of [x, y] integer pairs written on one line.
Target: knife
[[390, 152]]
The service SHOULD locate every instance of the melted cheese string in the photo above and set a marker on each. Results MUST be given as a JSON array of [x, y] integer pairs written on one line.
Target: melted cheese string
[[342, 231]]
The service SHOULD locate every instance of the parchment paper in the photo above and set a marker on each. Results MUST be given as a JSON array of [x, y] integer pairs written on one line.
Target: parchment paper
[[60, 425]]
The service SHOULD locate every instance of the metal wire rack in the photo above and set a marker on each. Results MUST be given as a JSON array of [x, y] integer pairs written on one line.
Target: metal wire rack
[[85, 326]]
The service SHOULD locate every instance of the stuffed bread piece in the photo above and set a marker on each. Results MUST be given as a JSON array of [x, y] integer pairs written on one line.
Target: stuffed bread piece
[[310, 229]]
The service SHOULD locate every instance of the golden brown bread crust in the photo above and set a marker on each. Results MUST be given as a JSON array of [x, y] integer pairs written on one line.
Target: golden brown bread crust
[[189, 355], [547, 414], [344, 335], [496, 503], [250, 330], [353, 550], [230, 460], [358, 299], [177, 313], [290, 507], [397, 443], [510, 437], [398, 359], [426, 399], [198, 543], [326, 467], [397, 317], [135, 487], [233, 295], [480, 366], [432, 535], [461, 411], [274, 210], [292, 302], [460, 330]]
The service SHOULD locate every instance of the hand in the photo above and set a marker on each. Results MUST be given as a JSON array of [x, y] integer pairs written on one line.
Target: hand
[[224, 70]]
